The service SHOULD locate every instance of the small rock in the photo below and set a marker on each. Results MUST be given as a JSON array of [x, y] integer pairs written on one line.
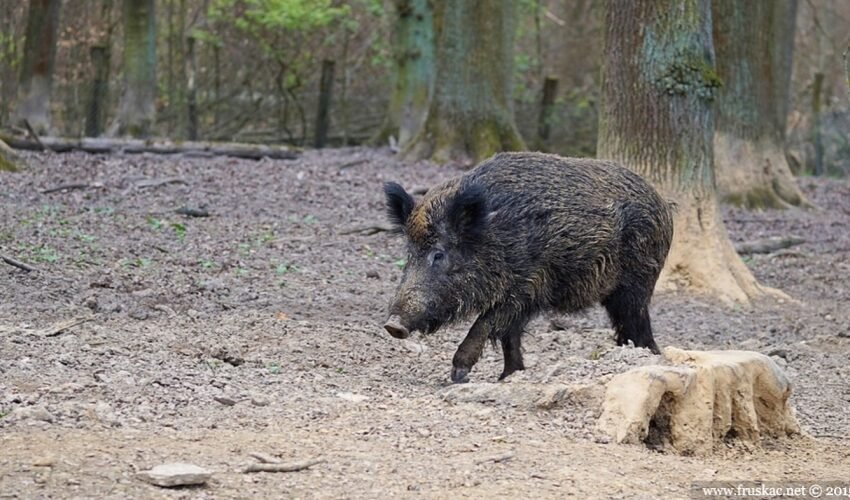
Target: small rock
[[45, 461], [32, 413], [138, 313], [226, 401], [423, 432], [351, 397], [780, 353], [68, 387], [373, 274], [229, 356], [414, 347], [214, 285], [259, 400], [176, 474]]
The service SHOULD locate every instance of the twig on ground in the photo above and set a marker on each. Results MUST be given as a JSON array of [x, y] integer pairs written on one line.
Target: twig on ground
[[496, 458], [16, 263], [60, 327], [262, 457], [768, 245], [781, 254], [367, 230], [282, 467], [67, 187], [159, 182], [353, 163], [832, 436], [153, 183]]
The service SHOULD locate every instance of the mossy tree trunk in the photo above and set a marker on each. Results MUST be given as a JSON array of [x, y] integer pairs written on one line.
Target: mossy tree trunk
[[9, 161], [36, 76], [136, 111], [754, 41], [470, 116], [658, 86], [413, 41]]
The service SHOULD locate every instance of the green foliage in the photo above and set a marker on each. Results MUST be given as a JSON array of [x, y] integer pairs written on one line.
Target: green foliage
[[179, 230], [286, 268], [272, 23], [289, 15]]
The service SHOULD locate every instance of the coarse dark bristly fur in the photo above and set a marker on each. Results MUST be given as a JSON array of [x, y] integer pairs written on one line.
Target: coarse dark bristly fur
[[524, 233]]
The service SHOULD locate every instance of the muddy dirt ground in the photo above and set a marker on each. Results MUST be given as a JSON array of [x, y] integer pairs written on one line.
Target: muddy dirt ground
[[258, 329]]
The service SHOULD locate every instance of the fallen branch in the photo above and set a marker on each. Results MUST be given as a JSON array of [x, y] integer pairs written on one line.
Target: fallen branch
[[263, 458], [158, 182], [353, 163], [34, 136], [768, 245], [832, 436], [281, 467], [103, 145], [496, 458], [367, 230], [153, 183], [16, 263], [67, 187], [60, 327], [780, 254]]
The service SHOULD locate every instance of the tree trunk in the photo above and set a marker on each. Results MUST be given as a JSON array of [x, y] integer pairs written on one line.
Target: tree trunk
[[191, 95], [547, 109], [470, 116], [754, 42], [136, 111], [9, 161], [658, 84], [414, 71], [37, 64], [323, 118], [99, 90]]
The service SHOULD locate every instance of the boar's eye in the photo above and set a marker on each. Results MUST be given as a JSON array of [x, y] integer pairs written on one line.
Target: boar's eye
[[436, 256]]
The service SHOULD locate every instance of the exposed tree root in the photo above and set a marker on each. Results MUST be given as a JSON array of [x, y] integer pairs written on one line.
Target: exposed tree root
[[703, 259]]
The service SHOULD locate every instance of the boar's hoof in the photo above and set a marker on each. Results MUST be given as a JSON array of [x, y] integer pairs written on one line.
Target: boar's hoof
[[395, 328], [459, 375]]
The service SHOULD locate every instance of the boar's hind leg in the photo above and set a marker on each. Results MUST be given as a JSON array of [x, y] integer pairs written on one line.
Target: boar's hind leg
[[628, 309], [512, 350], [495, 323]]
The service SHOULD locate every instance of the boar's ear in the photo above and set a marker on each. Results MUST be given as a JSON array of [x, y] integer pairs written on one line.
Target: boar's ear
[[467, 213], [399, 204]]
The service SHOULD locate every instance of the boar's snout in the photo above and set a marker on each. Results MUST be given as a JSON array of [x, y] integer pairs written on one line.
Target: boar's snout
[[395, 328]]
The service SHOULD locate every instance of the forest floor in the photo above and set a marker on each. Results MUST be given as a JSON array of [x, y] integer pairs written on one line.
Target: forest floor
[[258, 329]]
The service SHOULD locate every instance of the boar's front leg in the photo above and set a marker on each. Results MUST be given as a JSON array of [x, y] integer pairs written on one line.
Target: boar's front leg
[[500, 322]]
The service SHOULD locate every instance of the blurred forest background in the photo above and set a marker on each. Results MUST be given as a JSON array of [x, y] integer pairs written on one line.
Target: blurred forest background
[[251, 70]]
